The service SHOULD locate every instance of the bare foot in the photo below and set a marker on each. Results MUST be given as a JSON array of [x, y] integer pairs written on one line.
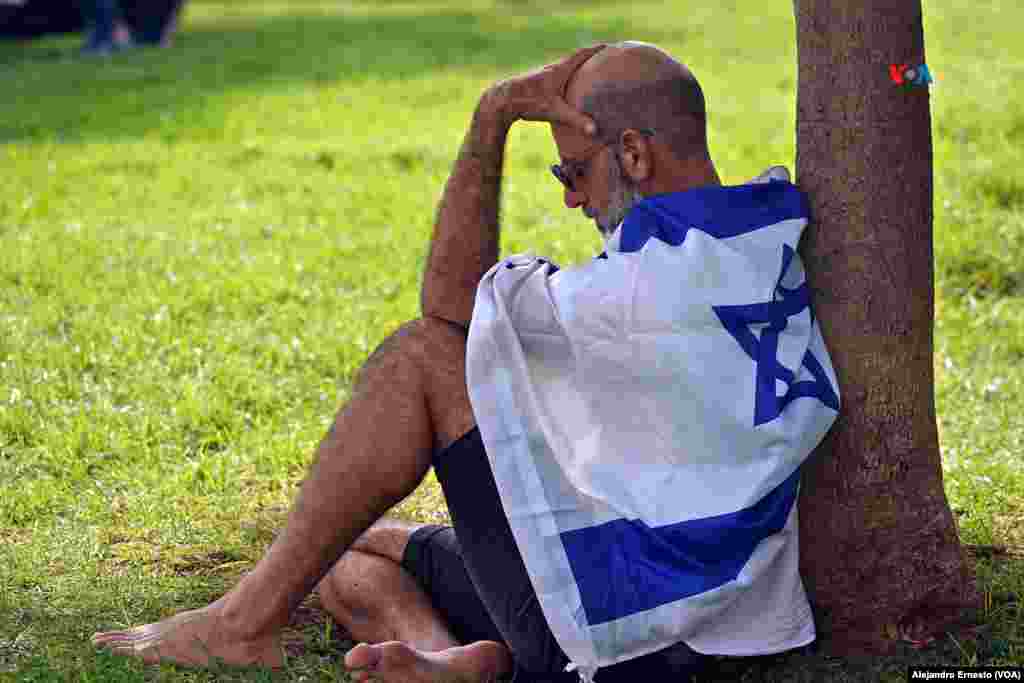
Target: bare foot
[[396, 662], [196, 638]]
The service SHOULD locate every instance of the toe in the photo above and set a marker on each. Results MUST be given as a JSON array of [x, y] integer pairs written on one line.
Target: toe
[[395, 659], [109, 639], [122, 649], [362, 656], [112, 637]]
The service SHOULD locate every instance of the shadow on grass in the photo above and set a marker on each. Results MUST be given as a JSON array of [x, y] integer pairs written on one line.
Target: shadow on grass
[[54, 96], [808, 665], [991, 640]]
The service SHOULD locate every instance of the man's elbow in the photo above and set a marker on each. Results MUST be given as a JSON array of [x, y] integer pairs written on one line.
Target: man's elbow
[[448, 314], [446, 299]]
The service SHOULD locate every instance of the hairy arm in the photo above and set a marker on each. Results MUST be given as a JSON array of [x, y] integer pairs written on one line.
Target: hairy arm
[[465, 241]]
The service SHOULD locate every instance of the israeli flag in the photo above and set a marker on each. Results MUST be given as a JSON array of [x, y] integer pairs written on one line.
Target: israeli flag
[[645, 416]]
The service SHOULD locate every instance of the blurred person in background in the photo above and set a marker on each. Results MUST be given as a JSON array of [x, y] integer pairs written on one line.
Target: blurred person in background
[[122, 24]]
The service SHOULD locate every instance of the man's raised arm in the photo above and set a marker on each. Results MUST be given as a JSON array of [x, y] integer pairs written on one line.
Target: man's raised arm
[[466, 234], [465, 242]]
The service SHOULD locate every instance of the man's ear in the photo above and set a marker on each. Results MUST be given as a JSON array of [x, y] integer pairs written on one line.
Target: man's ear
[[637, 157]]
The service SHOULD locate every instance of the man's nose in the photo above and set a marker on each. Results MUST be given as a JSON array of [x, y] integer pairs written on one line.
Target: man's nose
[[573, 199]]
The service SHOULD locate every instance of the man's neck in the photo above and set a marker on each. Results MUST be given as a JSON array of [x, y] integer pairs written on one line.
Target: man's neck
[[686, 176]]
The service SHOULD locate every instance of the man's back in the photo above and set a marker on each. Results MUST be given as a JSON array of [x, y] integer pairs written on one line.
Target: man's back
[[646, 414]]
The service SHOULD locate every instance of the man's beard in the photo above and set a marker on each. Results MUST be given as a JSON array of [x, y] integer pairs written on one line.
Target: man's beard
[[623, 194]]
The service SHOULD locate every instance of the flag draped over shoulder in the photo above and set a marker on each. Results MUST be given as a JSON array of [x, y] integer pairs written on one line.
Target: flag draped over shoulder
[[645, 416]]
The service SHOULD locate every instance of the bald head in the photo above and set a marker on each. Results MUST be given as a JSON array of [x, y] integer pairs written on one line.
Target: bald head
[[638, 85]]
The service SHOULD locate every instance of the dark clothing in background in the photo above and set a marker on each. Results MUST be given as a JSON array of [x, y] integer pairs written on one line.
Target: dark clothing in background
[[147, 19], [37, 18]]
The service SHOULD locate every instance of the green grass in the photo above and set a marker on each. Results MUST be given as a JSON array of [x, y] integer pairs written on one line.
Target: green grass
[[200, 246]]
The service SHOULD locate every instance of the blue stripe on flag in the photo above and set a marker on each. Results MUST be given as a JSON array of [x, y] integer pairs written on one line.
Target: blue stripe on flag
[[624, 567], [719, 210]]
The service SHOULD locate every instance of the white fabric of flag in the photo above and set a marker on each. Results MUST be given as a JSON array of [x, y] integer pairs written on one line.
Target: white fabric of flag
[[646, 415]]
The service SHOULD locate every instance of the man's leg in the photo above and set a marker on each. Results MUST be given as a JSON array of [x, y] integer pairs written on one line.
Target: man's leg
[[376, 600], [410, 399]]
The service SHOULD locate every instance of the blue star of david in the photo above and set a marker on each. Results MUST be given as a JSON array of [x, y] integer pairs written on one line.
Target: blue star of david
[[763, 351]]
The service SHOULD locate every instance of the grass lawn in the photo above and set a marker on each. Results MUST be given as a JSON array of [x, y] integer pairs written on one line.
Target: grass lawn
[[200, 246]]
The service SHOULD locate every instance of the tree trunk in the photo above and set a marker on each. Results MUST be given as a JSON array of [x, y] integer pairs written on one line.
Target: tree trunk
[[879, 548]]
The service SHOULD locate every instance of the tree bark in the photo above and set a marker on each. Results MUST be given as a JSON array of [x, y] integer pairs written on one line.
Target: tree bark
[[880, 553]]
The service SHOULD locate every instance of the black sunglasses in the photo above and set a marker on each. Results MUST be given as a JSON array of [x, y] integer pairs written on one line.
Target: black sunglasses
[[570, 169]]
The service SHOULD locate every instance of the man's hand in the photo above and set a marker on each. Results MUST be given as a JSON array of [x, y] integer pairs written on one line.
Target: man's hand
[[540, 94]]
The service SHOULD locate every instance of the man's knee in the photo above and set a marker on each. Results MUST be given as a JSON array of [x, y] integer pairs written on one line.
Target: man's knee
[[411, 357], [388, 537], [428, 342], [353, 584], [428, 354], [436, 341]]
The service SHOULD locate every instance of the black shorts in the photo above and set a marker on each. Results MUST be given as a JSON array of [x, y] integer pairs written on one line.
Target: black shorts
[[477, 581]]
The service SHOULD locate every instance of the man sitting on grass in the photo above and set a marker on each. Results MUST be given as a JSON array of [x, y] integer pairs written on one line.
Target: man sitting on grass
[[436, 603]]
